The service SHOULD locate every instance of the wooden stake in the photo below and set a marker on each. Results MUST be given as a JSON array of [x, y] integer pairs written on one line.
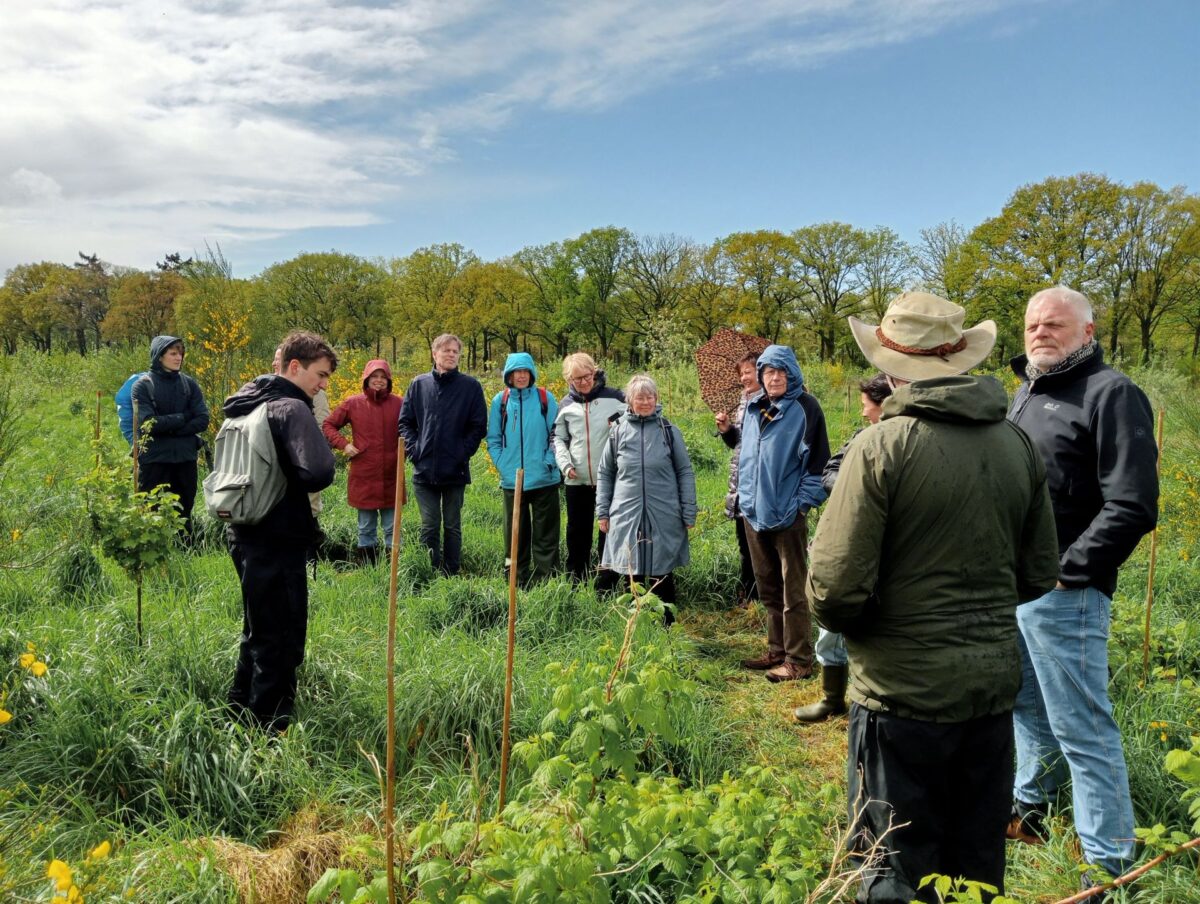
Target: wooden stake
[[1153, 561], [96, 432], [135, 447], [389, 817], [512, 636], [139, 608]]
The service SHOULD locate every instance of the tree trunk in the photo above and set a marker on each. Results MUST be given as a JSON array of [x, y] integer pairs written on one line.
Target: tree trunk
[[1145, 325]]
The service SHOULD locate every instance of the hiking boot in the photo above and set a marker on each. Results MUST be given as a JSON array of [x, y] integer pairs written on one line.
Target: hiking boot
[[769, 661], [789, 671], [833, 682], [1028, 823]]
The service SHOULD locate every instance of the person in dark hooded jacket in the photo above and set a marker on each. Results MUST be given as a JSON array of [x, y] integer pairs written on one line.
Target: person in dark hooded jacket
[[372, 415], [270, 556], [170, 416]]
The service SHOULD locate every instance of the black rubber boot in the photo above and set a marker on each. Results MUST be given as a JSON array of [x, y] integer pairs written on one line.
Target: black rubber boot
[[833, 681], [366, 555]]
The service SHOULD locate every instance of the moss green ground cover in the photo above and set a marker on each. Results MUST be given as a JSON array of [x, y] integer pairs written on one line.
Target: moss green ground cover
[[653, 791]]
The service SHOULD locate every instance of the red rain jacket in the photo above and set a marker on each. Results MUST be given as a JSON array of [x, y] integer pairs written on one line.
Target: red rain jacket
[[373, 418]]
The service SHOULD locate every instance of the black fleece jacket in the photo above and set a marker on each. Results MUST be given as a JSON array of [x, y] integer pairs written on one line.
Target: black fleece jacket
[[1095, 430], [304, 455]]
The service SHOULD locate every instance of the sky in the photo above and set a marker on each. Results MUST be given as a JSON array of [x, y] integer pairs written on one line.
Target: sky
[[136, 128]]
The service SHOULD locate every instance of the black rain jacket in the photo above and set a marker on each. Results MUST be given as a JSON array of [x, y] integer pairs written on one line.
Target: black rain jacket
[[174, 405], [304, 455], [1095, 430], [443, 421]]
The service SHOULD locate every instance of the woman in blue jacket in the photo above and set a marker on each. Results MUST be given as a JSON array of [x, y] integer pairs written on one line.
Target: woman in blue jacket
[[520, 433]]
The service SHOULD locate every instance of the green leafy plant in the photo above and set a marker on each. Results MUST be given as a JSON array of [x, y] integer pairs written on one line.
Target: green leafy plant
[[136, 529]]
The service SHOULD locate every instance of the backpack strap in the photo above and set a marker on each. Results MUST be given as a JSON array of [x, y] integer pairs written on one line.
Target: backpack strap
[[668, 436], [543, 397]]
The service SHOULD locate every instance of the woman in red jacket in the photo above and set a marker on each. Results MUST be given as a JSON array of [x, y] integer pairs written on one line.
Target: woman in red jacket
[[373, 416]]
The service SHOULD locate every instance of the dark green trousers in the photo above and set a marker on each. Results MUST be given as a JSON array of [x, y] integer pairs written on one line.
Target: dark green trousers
[[537, 545]]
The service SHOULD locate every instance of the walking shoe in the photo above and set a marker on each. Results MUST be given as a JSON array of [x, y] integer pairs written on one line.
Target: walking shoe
[[789, 671], [1028, 823], [769, 661]]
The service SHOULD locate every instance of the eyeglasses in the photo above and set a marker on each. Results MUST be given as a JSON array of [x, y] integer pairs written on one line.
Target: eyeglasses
[[584, 378]]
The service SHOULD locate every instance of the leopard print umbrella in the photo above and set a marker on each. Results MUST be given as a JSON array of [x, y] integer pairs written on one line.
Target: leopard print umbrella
[[716, 363]]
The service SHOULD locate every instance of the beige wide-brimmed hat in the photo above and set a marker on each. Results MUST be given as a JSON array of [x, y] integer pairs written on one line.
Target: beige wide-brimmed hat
[[922, 337]]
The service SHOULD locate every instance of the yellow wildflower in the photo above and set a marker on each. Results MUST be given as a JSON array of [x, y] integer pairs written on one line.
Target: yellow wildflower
[[26, 660], [38, 669], [60, 873], [100, 851], [29, 647], [16, 534], [5, 716]]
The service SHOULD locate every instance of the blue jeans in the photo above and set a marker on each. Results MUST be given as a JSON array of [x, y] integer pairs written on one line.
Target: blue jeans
[[367, 521], [441, 523], [830, 648], [1064, 725]]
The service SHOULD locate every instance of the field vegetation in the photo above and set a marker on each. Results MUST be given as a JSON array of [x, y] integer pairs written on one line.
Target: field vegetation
[[648, 766]]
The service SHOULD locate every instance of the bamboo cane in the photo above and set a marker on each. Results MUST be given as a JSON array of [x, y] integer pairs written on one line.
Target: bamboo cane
[[139, 607], [96, 431], [512, 636], [1153, 560], [389, 818]]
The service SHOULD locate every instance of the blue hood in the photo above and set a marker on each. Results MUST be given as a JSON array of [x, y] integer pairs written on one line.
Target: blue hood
[[520, 361], [781, 357]]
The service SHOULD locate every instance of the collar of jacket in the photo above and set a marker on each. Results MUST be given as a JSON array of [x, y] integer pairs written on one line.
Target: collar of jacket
[[444, 376], [1088, 365], [762, 405]]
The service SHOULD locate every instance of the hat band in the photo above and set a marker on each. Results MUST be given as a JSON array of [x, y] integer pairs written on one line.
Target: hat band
[[946, 348]]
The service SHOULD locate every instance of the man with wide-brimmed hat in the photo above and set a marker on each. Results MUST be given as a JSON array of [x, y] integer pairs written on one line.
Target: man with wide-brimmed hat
[[938, 526]]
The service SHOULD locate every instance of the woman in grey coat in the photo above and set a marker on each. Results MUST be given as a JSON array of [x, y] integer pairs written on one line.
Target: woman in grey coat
[[646, 494]]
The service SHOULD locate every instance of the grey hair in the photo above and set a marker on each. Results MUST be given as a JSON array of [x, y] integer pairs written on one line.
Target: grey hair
[[445, 339], [1067, 295], [641, 384]]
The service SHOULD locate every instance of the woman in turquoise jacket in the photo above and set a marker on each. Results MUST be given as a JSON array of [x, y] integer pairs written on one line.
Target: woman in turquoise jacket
[[520, 433]]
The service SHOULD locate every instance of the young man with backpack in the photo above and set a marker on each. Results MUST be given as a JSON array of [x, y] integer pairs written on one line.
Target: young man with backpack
[[269, 555], [520, 430], [171, 415]]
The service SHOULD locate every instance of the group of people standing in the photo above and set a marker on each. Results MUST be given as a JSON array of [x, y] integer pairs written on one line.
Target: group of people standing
[[961, 573]]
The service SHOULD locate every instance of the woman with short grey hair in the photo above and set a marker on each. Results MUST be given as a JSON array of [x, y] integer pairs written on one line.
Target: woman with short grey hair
[[646, 494]]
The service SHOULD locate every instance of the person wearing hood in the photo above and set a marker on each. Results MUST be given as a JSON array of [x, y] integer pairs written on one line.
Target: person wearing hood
[[373, 450], [939, 525], [520, 429], [171, 415], [646, 494], [784, 450], [270, 556], [443, 421], [585, 415]]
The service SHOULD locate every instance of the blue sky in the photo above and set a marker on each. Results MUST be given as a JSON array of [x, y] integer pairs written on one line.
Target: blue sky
[[140, 127]]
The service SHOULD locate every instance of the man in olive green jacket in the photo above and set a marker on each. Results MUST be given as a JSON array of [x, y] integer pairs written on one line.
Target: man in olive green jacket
[[940, 523]]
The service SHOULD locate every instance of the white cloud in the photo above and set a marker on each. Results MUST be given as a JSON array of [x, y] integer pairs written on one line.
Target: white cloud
[[136, 127]]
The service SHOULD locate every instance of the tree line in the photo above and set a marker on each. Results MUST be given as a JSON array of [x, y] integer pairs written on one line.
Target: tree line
[[1134, 249]]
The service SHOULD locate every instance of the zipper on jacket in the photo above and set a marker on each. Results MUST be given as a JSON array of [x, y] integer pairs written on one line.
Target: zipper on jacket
[[587, 440]]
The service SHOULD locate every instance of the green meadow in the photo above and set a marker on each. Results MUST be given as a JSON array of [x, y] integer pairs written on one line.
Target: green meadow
[[647, 765]]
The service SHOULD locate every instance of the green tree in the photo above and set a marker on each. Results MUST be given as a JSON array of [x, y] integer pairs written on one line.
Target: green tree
[[938, 261], [418, 288], [888, 265], [338, 295], [830, 257], [762, 268], [710, 300], [555, 284], [1164, 244], [86, 300], [35, 302], [600, 257], [658, 272], [143, 305]]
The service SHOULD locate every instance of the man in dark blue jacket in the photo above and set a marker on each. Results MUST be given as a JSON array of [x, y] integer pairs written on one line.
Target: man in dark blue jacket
[[1095, 431], [270, 556], [171, 415], [443, 421]]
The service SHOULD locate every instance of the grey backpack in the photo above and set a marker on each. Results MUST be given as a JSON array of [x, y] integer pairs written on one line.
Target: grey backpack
[[246, 480]]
